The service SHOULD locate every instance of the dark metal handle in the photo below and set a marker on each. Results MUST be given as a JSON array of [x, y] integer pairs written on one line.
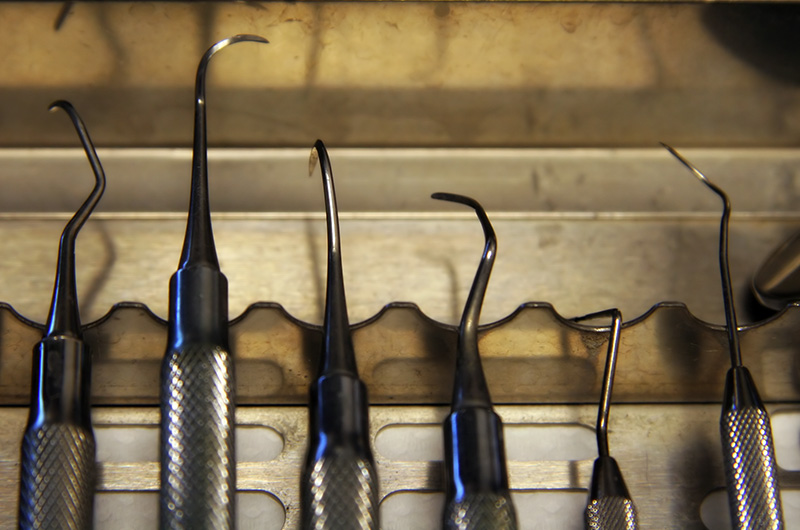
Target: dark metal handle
[[339, 484], [611, 513], [751, 470], [198, 468], [340, 492], [58, 477], [480, 511]]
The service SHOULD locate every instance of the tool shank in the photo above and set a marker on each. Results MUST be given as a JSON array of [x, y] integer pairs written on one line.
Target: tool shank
[[477, 496]]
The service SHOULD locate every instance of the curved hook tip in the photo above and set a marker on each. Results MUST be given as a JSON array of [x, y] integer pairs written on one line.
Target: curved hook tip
[[453, 197], [62, 104], [244, 37], [475, 205], [64, 317], [248, 37]]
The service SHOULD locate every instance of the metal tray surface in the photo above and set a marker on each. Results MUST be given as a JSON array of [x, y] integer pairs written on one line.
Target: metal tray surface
[[579, 231]]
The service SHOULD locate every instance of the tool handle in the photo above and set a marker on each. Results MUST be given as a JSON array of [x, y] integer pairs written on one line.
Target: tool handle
[[339, 484], [198, 472], [340, 492], [750, 469], [58, 477], [611, 513], [480, 511]]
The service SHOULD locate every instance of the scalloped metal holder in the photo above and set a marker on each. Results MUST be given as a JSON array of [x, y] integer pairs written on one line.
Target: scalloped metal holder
[[532, 356], [541, 369]]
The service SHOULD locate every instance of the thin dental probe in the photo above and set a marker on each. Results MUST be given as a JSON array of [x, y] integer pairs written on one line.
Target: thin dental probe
[[747, 446], [477, 495], [731, 324], [339, 485], [58, 446], [610, 506], [198, 466]]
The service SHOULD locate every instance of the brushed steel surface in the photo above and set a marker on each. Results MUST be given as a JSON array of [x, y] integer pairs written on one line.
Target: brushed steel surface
[[669, 455], [581, 229], [550, 208], [460, 74], [534, 356]]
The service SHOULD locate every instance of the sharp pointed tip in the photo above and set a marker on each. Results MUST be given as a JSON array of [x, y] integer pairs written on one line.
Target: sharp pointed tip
[[674, 152], [318, 155], [313, 160], [691, 167]]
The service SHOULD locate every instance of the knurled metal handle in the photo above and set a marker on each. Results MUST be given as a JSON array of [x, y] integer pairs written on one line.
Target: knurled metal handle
[[481, 511], [198, 468], [340, 492], [58, 477], [611, 513], [750, 470]]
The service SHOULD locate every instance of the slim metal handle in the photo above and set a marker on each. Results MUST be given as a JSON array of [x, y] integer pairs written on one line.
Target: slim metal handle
[[481, 511], [198, 472], [610, 504], [57, 462], [611, 513], [58, 477], [751, 470], [341, 493], [339, 485]]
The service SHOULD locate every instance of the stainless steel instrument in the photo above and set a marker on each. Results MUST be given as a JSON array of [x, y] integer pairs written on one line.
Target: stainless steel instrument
[[58, 448], [198, 466], [610, 505], [750, 469], [339, 484], [477, 495]]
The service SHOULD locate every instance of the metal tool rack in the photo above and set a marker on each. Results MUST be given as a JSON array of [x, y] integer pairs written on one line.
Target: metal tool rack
[[582, 229]]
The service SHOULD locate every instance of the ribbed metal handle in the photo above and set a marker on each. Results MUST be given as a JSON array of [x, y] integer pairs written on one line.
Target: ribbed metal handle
[[198, 473], [340, 492], [750, 469], [611, 513], [58, 477], [482, 511]]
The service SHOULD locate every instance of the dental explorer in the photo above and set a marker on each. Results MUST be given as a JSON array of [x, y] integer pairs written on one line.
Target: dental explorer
[[747, 447], [198, 468], [610, 506], [339, 485], [58, 448], [477, 495]]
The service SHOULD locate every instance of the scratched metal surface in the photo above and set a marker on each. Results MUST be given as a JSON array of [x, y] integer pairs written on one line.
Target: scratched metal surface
[[669, 455], [435, 74], [580, 229]]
